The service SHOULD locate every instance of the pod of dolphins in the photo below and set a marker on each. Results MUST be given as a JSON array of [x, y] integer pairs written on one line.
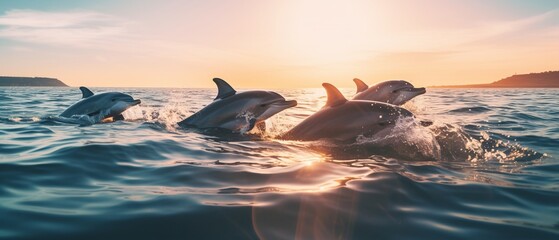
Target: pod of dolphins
[[373, 110]]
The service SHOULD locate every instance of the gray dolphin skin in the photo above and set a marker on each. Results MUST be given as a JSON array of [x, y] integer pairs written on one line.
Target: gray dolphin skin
[[237, 112], [395, 92], [344, 120], [101, 105]]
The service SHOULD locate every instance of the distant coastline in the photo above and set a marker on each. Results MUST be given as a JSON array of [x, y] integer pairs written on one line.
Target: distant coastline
[[30, 82], [548, 79]]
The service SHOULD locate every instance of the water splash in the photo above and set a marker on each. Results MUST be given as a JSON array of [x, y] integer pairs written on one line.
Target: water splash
[[277, 125], [248, 117], [168, 116], [407, 138]]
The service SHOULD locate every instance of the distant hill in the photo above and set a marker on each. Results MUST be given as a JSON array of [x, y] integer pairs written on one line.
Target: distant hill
[[548, 79], [31, 81]]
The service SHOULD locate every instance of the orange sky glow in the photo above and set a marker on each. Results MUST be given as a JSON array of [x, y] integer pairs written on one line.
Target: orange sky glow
[[277, 44]]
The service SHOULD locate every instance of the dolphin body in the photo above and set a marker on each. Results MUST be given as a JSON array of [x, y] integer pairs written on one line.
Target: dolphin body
[[100, 106], [237, 112], [395, 92], [343, 120]]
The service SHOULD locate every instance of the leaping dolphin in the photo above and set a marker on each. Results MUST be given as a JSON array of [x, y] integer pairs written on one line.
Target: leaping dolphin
[[395, 92], [237, 112], [100, 106], [344, 120]]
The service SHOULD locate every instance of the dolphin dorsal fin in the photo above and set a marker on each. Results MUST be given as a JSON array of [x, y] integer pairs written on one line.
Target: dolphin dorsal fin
[[223, 89], [86, 92], [335, 97], [361, 86]]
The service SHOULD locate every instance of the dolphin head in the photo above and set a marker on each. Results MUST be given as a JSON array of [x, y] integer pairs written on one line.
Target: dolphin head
[[264, 104], [398, 92], [395, 92], [402, 91], [119, 102]]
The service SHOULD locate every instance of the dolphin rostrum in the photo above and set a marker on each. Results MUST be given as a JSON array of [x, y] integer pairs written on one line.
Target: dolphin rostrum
[[395, 92], [100, 106], [237, 112], [344, 120]]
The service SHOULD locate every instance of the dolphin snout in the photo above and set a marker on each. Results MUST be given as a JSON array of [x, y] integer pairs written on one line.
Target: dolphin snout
[[136, 102], [419, 90], [285, 103], [291, 103]]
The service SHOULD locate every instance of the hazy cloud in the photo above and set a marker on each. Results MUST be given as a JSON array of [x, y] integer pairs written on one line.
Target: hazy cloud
[[98, 31], [76, 28]]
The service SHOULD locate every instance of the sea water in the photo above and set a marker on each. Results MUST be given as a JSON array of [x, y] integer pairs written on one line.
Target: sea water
[[488, 168]]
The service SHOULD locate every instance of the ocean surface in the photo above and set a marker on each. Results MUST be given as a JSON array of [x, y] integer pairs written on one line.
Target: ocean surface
[[488, 168]]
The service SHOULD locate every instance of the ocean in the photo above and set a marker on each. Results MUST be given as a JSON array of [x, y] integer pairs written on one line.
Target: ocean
[[488, 168]]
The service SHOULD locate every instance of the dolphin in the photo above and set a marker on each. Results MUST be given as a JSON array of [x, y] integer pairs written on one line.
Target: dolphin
[[100, 106], [237, 112], [395, 92], [344, 120]]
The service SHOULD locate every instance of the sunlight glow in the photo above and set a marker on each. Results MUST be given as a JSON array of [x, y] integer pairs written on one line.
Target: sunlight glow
[[279, 44]]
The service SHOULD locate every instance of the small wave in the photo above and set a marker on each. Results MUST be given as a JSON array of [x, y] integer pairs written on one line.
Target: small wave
[[20, 119], [470, 110], [13, 148], [82, 120], [525, 116], [5, 98]]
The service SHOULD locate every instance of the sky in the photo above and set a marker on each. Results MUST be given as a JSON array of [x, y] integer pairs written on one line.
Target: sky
[[276, 44]]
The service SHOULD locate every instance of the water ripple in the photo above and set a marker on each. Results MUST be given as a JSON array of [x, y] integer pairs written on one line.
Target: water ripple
[[487, 168]]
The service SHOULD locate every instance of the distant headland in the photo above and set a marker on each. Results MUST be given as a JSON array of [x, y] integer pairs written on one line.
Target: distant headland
[[548, 79], [31, 81]]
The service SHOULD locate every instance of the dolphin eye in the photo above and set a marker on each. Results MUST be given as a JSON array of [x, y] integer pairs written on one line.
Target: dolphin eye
[[262, 105]]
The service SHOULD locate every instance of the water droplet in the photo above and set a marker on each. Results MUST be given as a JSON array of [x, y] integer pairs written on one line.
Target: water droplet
[[484, 135]]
